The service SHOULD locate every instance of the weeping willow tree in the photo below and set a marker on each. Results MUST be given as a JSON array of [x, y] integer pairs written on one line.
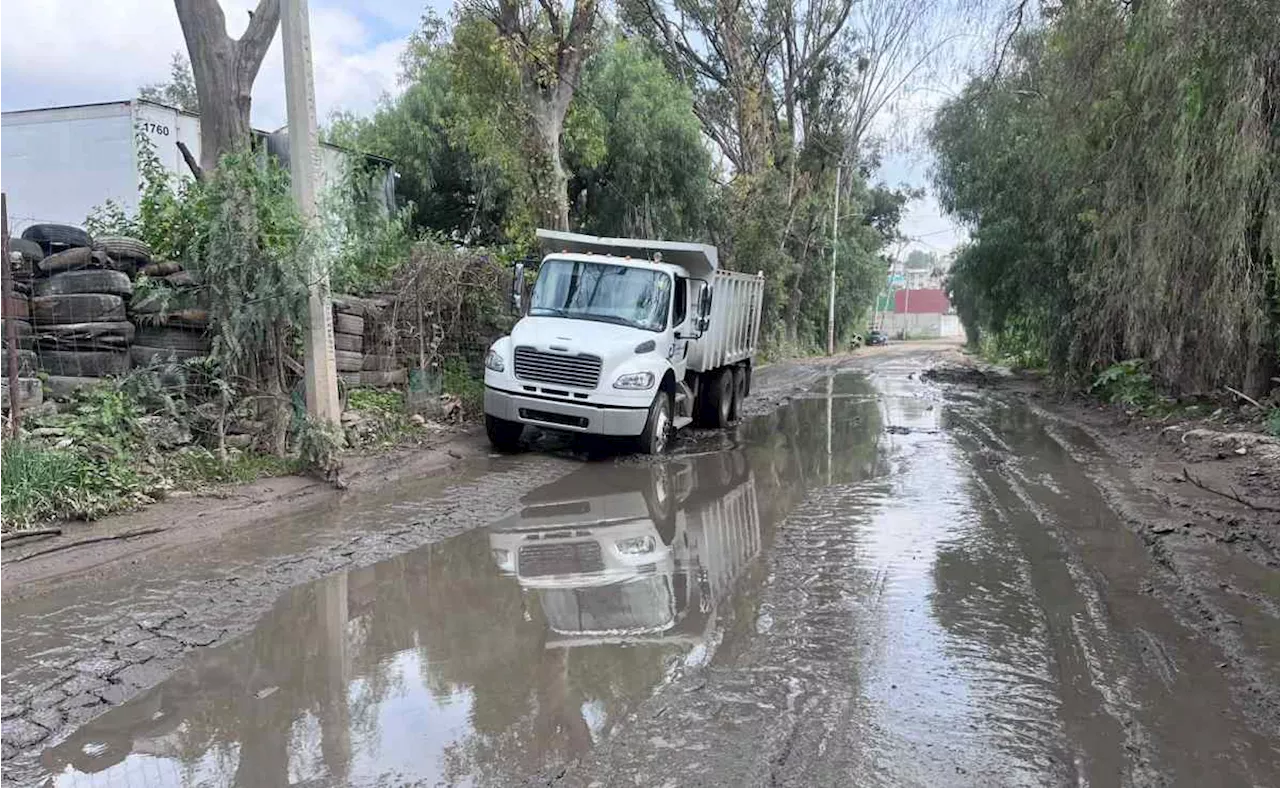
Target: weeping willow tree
[[1121, 179]]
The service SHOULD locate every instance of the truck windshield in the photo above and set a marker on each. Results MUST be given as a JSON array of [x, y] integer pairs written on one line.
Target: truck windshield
[[619, 294]]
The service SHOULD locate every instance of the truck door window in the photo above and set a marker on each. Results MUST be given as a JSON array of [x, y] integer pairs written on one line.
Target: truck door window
[[681, 309]]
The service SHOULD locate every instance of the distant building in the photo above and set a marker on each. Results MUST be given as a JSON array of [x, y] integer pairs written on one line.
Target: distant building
[[922, 314]]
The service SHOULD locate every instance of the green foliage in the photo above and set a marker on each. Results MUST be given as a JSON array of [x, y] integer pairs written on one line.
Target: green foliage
[[1126, 383], [164, 220], [467, 387], [1118, 179], [636, 151], [41, 483], [376, 401], [179, 91], [1273, 422], [366, 241]]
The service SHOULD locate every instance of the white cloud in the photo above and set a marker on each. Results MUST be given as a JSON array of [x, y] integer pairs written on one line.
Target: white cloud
[[58, 52]]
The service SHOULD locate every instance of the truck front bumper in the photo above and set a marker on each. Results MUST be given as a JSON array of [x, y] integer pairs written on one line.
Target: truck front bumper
[[567, 416]]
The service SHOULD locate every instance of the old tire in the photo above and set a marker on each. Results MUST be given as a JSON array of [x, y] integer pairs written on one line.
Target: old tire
[[657, 429], [65, 386], [504, 436], [119, 246], [86, 336], [77, 308], [344, 323], [87, 281], [374, 362], [30, 393], [85, 363], [17, 307], [53, 238], [27, 363], [162, 268], [388, 377], [144, 356], [176, 338], [74, 259], [351, 343], [30, 250], [349, 362], [180, 280], [739, 375]]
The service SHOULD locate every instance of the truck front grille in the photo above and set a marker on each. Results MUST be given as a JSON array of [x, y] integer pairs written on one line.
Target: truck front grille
[[581, 371], [560, 558]]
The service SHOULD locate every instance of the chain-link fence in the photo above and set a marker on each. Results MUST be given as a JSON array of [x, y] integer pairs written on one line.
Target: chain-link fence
[[83, 309]]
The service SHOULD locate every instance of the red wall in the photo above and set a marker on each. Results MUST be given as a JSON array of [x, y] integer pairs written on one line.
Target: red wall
[[921, 302]]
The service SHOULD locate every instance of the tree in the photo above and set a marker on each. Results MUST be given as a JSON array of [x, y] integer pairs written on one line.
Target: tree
[[179, 91], [548, 51], [224, 69], [636, 151]]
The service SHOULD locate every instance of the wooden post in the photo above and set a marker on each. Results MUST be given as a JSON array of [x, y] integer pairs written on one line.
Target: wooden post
[[10, 327]]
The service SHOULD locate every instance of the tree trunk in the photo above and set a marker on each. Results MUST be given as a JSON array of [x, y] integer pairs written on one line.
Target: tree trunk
[[552, 180], [224, 69], [547, 88]]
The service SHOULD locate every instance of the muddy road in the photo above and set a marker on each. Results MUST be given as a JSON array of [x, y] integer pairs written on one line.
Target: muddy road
[[874, 580]]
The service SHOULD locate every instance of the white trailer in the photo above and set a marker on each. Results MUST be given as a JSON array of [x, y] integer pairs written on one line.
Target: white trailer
[[624, 337], [60, 163]]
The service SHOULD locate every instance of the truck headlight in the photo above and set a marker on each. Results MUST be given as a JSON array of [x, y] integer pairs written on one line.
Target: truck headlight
[[638, 545], [634, 380], [493, 361]]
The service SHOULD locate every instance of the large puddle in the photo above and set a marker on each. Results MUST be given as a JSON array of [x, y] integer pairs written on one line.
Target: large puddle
[[502, 652], [874, 585]]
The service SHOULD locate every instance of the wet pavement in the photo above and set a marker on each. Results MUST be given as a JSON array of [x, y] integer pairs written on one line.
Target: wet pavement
[[882, 582]]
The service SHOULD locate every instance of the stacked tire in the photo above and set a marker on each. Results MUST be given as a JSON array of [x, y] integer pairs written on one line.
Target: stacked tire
[[16, 315], [79, 327], [348, 340], [167, 334]]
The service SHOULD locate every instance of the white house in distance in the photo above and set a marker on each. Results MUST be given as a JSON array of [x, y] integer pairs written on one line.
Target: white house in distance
[[58, 164]]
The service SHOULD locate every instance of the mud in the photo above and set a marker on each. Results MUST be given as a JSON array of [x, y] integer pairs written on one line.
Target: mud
[[874, 580]]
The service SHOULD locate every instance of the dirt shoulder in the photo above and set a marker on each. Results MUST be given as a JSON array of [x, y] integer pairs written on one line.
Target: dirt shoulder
[[1204, 496]]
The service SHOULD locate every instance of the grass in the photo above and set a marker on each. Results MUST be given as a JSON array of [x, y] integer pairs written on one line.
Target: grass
[[41, 483]]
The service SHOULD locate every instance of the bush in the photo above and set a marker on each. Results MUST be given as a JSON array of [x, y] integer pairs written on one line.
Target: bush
[[42, 483]]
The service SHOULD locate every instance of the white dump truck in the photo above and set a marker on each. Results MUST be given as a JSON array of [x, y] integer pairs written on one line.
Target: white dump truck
[[624, 337]]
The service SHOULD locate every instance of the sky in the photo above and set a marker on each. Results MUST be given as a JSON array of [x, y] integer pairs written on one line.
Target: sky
[[61, 52]]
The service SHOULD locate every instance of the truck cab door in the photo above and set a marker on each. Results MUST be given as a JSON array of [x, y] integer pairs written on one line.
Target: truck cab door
[[683, 327]]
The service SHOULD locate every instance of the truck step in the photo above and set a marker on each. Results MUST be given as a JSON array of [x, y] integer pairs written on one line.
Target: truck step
[[680, 422]]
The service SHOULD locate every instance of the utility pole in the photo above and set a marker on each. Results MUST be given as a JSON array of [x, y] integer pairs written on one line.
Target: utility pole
[[835, 239], [300, 101]]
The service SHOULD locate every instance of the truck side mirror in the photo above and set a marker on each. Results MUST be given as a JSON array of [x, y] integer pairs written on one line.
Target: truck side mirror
[[704, 309], [517, 288]]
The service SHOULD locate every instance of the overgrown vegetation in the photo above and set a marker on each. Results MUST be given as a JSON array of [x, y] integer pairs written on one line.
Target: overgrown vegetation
[[634, 145], [1118, 174]]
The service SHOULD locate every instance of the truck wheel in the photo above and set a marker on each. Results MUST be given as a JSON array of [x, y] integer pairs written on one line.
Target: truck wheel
[[657, 430], [719, 399], [739, 377], [504, 436]]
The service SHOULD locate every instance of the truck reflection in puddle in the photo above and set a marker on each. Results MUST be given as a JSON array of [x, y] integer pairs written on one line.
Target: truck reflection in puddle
[[434, 666], [633, 553]]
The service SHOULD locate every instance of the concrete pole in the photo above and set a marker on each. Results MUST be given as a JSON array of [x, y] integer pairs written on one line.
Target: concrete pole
[[300, 101], [835, 239]]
